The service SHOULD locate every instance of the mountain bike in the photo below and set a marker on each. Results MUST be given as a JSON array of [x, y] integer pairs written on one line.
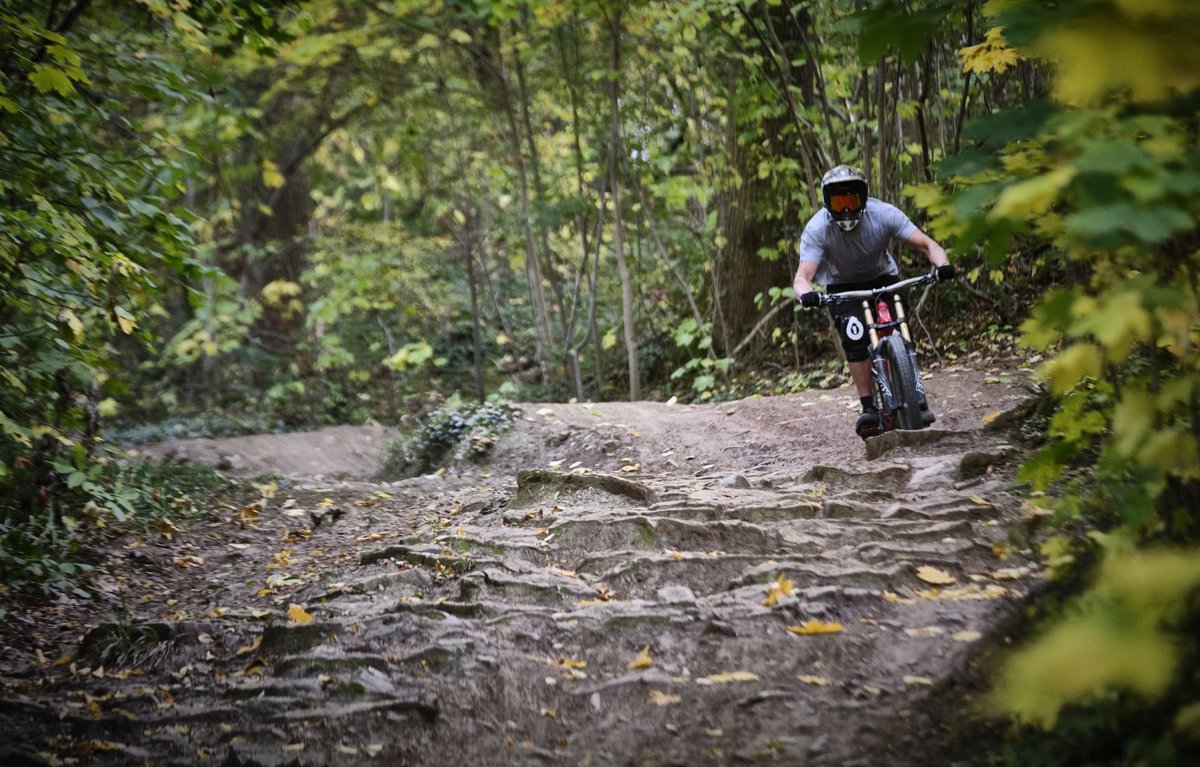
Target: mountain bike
[[894, 374]]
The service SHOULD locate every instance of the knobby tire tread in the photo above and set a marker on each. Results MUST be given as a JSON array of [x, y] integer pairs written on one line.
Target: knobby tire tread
[[902, 376]]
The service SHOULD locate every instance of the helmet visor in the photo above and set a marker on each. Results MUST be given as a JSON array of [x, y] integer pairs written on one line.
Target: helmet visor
[[846, 202]]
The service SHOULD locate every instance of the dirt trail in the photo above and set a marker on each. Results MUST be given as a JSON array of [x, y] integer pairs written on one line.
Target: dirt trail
[[602, 594]]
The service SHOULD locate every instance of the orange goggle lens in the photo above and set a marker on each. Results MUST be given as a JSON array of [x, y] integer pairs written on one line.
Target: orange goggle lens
[[841, 203]]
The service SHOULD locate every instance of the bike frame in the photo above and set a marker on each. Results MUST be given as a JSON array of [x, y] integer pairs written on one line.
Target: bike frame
[[884, 326]]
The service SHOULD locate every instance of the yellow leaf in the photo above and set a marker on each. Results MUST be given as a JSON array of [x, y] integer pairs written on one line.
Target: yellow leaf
[[967, 636], [298, 614], [428, 40], [980, 501], [816, 627], [781, 588], [370, 537], [251, 647], [729, 676], [189, 561], [897, 599], [992, 416], [662, 699], [935, 576], [571, 663], [73, 321], [917, 681], [819, 681], [991, 55], [271, 176], [1072, 365], [642, 660], [126, 324], [1032, 197]]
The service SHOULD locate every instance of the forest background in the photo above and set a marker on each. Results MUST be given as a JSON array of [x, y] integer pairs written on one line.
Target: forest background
[[248, 216]]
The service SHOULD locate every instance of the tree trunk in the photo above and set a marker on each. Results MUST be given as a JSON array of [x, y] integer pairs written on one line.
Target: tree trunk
[[614, 169]]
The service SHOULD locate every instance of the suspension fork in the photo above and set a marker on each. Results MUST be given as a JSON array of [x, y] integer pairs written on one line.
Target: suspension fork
[[877, 362]]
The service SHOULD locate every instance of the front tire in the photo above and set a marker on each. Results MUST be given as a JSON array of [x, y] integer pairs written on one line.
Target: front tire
[[902, 378]]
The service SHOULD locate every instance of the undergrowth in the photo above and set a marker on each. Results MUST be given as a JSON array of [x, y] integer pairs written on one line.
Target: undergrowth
[[51, 550], [454, 433]]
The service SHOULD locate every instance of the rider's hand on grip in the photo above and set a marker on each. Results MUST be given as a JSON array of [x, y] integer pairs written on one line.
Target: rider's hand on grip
[[810, 299], [944, 272]]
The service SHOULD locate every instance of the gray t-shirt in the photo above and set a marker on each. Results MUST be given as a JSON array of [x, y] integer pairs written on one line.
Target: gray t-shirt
[[860, 254]]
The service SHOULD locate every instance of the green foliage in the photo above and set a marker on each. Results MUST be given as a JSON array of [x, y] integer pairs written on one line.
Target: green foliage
[[1103, 179], [454, 433], [105, 499]]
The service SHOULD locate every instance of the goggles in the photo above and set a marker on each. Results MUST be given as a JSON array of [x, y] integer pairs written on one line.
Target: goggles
[[847, 202]]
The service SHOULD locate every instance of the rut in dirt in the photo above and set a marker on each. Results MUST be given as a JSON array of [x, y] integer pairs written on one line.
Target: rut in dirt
[[591, 618]]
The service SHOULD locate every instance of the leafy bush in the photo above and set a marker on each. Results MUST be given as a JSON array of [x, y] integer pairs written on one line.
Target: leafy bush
[[48, 552], [453, 433]]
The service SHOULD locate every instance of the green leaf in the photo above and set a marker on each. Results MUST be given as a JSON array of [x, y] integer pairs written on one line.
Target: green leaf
[[47, 78]]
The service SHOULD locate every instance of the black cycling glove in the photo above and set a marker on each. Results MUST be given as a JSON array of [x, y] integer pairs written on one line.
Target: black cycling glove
[[944, 272], [810, 299]]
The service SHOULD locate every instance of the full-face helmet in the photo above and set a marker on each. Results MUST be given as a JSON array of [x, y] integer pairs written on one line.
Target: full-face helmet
[[844, 192]]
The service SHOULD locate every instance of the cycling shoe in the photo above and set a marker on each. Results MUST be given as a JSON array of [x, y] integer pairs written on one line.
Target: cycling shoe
[[868, 424], [927, 417]]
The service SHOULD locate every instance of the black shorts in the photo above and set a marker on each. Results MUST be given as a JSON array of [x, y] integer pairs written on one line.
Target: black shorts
[[848, 316]]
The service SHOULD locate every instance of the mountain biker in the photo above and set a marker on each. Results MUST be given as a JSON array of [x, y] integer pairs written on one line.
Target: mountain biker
[[845, 247]]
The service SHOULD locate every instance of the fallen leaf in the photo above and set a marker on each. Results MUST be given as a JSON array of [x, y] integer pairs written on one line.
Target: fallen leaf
[[979, 501], [967, 636], [918, 681], [987, 419], [299, 614], [571, 662], [819, 681], [1009, 573], [251, 647], [549, 712], [890, 597], [816, 627], [782, 587], [935, 576], [189, 561], [294, 747], [642, 660], [631, 468], [370, 537], [663, 699], [167, 527], [926, 631], [342, 748], [728, 676]]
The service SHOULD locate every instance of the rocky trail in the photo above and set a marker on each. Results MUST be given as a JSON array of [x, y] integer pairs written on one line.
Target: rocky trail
[[625, 583]]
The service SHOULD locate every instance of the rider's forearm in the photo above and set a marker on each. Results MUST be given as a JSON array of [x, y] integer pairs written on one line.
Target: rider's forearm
[[936, 254], [804, 276]]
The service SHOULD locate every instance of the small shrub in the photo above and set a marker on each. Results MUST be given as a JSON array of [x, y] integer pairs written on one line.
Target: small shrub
[[452, 434]]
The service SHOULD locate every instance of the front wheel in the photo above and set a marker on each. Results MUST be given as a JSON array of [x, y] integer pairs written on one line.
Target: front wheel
[[902, 379]]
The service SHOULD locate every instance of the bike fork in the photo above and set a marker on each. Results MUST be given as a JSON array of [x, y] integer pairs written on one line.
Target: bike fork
[[887, 399]]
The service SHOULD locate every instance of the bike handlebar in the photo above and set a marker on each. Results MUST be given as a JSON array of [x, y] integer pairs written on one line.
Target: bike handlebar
[[834, 298]]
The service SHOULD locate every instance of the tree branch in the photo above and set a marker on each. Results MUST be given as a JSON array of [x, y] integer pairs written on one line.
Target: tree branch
[[761, 324]]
